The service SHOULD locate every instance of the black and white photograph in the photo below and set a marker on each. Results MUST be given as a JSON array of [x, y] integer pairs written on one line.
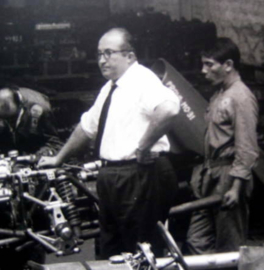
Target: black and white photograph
[[131, 134]]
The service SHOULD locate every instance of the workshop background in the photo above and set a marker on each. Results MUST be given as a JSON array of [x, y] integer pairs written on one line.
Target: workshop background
[[50, 46]]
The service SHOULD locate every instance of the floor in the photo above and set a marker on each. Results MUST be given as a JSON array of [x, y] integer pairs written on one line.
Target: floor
[[87, 253]]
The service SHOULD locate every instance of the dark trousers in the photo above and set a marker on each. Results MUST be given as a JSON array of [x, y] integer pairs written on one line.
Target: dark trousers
[[217, 229], [133, 198]]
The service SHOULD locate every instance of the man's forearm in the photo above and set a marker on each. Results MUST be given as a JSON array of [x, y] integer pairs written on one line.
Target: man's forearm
[[161, 123], [76, 141], [237, 185]]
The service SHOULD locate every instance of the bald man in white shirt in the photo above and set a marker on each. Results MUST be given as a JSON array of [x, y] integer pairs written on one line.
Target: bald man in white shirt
[[137, 184]]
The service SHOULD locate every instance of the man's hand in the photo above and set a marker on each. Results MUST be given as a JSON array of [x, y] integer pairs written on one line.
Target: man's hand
[[76, 142], [45, 151], [48, 162], [230, 199], [146, 157]]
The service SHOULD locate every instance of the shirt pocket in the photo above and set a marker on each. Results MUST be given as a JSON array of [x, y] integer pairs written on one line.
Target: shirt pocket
[[222, 112]]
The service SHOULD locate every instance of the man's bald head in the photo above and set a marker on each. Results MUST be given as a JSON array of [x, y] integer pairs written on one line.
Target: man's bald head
[[8, 104], [115, 53], [127, 42]]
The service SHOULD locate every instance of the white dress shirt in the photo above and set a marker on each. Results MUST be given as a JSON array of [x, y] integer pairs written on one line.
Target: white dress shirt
[[139, 91]]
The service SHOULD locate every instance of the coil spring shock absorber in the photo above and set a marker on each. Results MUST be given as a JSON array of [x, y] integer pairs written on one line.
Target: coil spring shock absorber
[[64, 189]]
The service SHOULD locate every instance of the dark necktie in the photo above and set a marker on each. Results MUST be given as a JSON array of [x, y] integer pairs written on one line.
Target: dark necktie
[[102, 121]]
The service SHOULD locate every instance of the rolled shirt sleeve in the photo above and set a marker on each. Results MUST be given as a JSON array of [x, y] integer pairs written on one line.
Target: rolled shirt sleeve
[[245, 112]]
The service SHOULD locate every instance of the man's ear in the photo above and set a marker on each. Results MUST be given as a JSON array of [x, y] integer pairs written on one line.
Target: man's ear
[[229, 65], [131, 56]]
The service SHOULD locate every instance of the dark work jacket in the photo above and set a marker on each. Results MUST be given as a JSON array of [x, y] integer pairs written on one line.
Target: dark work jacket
[[34, 130]]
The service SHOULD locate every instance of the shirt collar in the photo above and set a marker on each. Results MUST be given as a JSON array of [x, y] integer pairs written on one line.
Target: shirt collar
[[129, 73], [233, 80]]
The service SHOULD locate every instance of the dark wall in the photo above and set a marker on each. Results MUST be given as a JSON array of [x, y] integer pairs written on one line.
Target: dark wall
[[50, 46]]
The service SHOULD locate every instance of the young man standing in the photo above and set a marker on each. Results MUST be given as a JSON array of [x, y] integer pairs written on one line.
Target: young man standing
[[230, 152]]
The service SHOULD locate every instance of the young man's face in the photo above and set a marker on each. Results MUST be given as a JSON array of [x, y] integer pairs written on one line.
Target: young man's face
[[213, 70]]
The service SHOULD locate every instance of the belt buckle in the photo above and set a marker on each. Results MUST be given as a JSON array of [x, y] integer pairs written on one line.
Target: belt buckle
[[154, 155], [104, 163]]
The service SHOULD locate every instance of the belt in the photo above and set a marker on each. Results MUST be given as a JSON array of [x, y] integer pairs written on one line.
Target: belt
[[212, 163], [109, 163]]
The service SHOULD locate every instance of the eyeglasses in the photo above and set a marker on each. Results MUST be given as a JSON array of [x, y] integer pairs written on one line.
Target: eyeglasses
[[107, 53]]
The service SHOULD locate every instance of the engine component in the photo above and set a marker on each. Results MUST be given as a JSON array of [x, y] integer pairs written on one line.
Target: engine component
[[42, 207], [64, 188]]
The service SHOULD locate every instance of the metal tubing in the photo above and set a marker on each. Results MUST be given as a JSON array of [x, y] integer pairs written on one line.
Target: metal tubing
[[10, 232], [43, 242], [9, 241], [213, 261], [204, 262], [207, 202], [88, 234]]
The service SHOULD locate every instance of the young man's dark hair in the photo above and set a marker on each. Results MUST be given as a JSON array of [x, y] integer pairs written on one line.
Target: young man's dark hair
[[224, 49]]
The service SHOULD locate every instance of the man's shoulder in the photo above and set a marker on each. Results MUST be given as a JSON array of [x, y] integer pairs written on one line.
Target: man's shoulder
[[239, 85], [31, 97], [146, 71], [239, 90], [242, 96], [139, 77], [30, 92]]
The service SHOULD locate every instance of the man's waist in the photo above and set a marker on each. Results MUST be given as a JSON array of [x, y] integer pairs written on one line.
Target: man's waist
[[112, 163], [218, 162]]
